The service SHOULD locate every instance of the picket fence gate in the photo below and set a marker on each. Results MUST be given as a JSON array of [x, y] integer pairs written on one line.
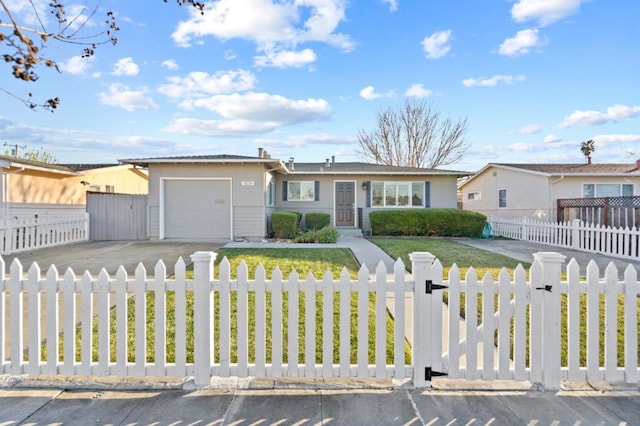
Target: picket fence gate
[[29, 233], [523, 349]]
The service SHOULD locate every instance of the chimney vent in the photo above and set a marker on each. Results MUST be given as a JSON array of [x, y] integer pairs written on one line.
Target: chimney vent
[[291, 164], [333, 159], [260, 152], [326, 163]]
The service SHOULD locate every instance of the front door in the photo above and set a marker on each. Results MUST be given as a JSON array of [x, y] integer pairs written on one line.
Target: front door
[[345, 203]]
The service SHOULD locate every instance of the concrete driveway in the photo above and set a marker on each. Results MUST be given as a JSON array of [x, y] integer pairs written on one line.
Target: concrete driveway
[[93, 256]]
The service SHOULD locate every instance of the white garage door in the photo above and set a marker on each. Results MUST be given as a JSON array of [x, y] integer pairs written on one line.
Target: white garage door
[[197, 209]]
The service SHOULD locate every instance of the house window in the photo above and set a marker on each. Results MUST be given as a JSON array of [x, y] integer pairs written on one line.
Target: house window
[[502, 198], [271, 193], [95, 188], [471, 196], [592, 190], [397, 194], [109, 188], [301, 191]]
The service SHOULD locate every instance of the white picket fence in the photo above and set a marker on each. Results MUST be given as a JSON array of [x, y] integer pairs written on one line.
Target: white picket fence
[[576, 235], [255, 318], [28, 233]]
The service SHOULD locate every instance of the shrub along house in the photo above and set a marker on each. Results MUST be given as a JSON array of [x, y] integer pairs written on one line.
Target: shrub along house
[[231, 196]]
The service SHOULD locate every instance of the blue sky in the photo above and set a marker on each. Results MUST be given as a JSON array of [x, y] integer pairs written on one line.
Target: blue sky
[[300, 78]]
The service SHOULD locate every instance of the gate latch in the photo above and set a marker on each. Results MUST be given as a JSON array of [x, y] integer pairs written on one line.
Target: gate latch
[[430, 286]]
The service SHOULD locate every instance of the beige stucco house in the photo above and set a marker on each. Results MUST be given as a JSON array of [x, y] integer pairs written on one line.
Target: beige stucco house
[[532, 190], [231, 196], [29, 188]]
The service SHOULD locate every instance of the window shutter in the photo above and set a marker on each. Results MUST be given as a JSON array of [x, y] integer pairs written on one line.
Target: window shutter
[[368, 201], [427, 195], [316, 190], [284, 190]]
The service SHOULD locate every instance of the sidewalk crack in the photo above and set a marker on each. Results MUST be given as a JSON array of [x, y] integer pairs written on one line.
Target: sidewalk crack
[[40, 408]]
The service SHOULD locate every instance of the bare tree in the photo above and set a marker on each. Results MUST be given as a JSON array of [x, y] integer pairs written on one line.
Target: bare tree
[[415, 136], [24, 45]]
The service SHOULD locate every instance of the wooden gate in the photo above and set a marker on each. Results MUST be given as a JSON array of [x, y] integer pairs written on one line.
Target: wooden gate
[[115, 217]]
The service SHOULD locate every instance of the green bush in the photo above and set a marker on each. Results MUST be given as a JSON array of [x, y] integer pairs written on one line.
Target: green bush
[[316, 220], [427, 222], [327, 234], [284, 224]]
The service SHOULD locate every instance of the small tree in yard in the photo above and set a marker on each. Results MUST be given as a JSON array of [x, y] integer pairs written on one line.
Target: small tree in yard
[[23, 45], [415, 136]]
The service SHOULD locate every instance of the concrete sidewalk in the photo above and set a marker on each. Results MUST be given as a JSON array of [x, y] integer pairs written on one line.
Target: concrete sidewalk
[[264, 404]]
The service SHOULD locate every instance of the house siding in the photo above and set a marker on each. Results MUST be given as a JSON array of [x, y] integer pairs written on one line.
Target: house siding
[[247, 193], [442, 193], [529, 194]]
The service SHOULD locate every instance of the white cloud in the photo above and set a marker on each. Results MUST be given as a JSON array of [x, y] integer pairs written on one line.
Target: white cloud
[[521, 43], [299, 141], [418, 91], [492, 81], [369, 93], [393, 4], [197, 84], [521, 146], [76, 64], [614, 139], [120, 96], [551, 138], [437, 44], [218, 128], [529, 129], [125, 66], [263, 107], [170, 64], [285, 58], [590, 118], [268, 23], [544, 11]]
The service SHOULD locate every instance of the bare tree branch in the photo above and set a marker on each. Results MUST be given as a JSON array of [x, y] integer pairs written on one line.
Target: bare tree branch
[[416, 136], [23, 46]]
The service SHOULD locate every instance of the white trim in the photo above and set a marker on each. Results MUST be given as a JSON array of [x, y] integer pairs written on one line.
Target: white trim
[[161, 224], [355, 201]]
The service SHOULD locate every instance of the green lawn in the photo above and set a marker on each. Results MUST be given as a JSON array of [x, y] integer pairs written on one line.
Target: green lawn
[[304, 261], [448, 252]]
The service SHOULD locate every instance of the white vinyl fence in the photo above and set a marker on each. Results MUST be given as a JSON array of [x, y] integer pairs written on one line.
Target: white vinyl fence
[[29, 233], [513, 329], [576, 235]]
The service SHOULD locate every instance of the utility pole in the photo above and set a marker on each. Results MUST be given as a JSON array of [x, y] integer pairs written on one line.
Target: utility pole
[[14, 148]]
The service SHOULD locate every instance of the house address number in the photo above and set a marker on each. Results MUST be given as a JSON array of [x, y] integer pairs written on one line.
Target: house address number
[[248, 183]]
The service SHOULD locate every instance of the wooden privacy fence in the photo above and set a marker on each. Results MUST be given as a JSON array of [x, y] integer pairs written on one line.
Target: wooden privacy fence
[[576, 235], [608, 211], [29, 233], [539, 329]]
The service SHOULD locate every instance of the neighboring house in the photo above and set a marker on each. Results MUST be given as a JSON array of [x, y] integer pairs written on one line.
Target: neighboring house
[[231, 196], [30, 188], [532, 190]]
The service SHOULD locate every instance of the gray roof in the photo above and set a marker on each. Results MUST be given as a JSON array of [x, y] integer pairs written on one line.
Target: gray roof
[[365, 168], [581, 168], [299, 168]]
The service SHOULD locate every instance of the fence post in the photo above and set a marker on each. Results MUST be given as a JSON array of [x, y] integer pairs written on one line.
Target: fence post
[[202, 316], [575, 234], [421, 263], [551, 264], [524, 236]]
